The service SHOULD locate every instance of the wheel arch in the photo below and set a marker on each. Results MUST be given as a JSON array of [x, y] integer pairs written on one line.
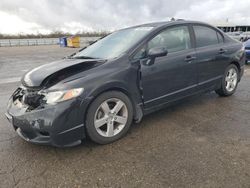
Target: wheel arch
[[137, 108]]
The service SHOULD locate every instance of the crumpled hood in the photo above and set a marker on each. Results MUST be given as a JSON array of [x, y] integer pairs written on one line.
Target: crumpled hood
[[52, 73]]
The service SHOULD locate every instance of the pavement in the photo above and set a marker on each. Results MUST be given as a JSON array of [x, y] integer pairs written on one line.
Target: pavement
[[203, 141]]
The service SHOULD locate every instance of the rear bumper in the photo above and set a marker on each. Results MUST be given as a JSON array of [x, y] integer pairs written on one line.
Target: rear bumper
[[57, 125]]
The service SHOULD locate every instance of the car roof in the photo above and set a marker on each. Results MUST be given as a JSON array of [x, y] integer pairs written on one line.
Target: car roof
[[169, 23]]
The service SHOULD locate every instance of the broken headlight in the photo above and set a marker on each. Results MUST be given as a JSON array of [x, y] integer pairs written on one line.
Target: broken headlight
[[59, 96]]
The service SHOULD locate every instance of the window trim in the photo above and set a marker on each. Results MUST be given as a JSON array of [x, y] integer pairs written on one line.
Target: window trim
[[219, 34]]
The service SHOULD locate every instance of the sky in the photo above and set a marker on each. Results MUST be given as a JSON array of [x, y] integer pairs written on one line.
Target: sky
[[45, 16]]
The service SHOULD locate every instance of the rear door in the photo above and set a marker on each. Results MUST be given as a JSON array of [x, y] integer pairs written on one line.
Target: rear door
[[211, 55]]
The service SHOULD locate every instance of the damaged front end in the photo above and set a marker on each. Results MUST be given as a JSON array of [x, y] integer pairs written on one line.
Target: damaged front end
[[46, 109], [37, 120], [26, 113], [30, 99], [47, 117]]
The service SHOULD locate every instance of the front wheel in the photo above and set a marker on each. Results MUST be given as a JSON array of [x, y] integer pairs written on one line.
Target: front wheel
[[229, 81], [109, 117]]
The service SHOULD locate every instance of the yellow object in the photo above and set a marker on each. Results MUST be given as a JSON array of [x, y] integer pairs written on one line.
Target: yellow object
[[73, 42]]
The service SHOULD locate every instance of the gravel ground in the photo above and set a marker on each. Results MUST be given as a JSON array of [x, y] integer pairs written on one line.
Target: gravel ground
[[203, 141]]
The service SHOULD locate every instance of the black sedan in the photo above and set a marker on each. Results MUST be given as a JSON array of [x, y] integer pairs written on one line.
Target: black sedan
[[99, 91]]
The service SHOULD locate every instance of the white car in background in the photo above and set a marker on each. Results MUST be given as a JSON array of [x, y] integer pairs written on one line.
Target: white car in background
[[246, 36], [236, 35]]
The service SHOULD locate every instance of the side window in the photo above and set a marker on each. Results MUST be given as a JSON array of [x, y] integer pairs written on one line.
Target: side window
[[205, 36], [173, 39], [220, 38]]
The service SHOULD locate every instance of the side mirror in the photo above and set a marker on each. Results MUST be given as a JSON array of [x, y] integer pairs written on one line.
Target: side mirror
[[157, 52], [154, 53]]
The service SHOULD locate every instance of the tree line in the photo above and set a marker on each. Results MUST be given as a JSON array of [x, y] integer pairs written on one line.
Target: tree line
[[55, 34]]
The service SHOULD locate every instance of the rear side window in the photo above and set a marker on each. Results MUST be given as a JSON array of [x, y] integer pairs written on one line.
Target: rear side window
[[205, 36], [173, 39]]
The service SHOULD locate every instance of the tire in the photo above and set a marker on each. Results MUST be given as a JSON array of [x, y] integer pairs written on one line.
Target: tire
[[225, 90], [112, 110]]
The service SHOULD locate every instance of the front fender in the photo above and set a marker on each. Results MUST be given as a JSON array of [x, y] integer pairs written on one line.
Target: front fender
[[119, 86]]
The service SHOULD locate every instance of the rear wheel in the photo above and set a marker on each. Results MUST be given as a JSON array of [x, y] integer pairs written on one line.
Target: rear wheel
[[109, 117], [229, 81]]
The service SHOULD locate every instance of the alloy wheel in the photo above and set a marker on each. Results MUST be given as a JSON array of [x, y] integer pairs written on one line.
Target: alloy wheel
[[111, 117], [231, 79]]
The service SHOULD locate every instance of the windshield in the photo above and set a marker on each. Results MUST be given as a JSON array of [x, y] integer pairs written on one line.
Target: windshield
[[114, 44]]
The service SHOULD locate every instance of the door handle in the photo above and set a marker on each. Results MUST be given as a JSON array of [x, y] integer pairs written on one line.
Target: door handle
[[222, 51], [190, 58]]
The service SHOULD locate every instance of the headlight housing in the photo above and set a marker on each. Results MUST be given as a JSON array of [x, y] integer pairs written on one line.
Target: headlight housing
[[59, 96]]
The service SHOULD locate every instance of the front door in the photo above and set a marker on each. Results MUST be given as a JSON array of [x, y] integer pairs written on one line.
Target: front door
[[173, 76]]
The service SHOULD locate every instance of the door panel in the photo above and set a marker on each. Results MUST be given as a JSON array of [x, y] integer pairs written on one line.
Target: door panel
[[170, 77], [211, 56], [211, 65]]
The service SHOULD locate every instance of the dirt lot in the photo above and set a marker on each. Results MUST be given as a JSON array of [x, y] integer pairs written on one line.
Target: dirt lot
[[202, 142]]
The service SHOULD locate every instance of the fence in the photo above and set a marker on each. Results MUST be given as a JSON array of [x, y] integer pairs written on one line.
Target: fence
[[40, 41]]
